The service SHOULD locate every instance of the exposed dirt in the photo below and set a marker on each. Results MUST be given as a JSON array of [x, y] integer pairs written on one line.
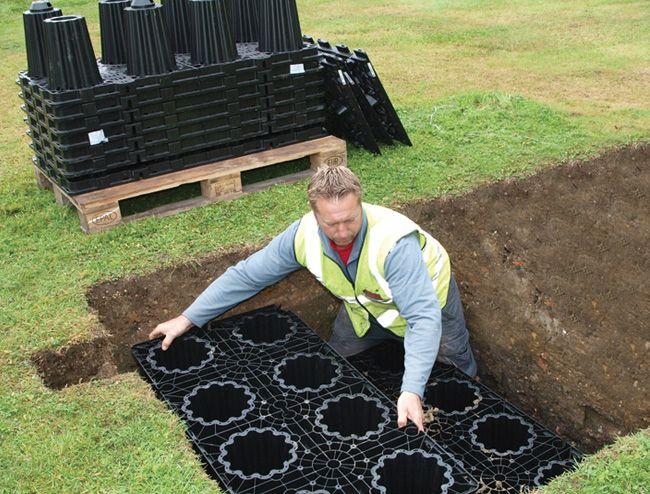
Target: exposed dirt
[[553, 273]]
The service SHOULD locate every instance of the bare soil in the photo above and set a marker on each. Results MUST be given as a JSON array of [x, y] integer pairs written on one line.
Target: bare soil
[[553, 271]]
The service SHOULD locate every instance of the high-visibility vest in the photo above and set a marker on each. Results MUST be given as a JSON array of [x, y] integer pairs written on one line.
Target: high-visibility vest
[[370, 293]]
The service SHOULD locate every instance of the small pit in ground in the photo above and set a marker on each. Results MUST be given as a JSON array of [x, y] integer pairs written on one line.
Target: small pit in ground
[[552, 270]]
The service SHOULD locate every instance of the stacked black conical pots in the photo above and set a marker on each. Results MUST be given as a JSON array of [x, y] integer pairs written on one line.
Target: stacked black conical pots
[[34, 41], [279, 29], [212, 39], [245, 20], [178, 24], [148, 49], [71, 62], [112, 27]]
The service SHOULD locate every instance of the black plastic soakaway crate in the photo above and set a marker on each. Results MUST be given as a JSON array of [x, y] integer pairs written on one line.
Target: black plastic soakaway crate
[[272, 408]]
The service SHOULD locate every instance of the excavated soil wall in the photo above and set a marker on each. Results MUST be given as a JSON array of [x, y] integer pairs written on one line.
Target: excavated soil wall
[[553, 271]]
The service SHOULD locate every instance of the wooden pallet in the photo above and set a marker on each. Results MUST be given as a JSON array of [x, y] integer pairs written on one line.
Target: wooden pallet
[[100, 210]]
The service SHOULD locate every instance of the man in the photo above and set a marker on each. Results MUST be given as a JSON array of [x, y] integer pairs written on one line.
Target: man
[[394, 279]]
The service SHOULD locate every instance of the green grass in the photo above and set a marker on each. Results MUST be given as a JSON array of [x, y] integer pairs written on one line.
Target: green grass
[[485, 89], [618, 469]]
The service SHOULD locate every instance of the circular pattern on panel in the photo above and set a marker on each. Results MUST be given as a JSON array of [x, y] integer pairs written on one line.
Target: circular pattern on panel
[[184, 355], [244, 364], [352, 417], [335, 467], [283, 409], [452, 396], [218, 403], [551, 470], [265, 329], [333, 464], [405, 471], [442, 427], [274, 451], [497, 475], [502, 434], [307, 372]]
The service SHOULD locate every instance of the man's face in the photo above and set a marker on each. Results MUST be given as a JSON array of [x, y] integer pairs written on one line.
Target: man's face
[[340, 219]]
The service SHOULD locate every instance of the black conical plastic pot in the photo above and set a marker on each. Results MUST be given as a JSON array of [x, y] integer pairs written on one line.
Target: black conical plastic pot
[[112, 26], [245, 20], [148, 51], [279, 26], [71, 62], [178, 24], [212, 39], [34, 39]]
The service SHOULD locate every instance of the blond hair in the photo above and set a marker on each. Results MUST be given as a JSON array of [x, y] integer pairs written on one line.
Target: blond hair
[[333, 182]]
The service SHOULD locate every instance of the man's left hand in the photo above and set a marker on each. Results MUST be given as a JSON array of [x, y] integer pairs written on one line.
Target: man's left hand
[[409, 406]]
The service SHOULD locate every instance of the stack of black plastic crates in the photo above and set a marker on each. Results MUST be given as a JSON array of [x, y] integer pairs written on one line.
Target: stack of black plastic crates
[[128, 127], [359, 109]]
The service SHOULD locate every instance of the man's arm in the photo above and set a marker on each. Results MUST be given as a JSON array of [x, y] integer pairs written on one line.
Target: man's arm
[[240, 282], [414, 296]]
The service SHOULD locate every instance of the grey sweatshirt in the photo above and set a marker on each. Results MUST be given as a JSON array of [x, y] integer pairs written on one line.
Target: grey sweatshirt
[[405, 272]]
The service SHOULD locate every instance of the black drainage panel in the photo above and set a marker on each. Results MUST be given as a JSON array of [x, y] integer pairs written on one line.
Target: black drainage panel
[[504, 449], [272, 408]]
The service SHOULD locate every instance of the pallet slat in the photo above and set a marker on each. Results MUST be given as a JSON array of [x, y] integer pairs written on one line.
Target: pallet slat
[[100, 210]]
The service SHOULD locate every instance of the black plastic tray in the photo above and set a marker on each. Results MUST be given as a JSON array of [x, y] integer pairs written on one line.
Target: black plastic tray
[[505, 449], [272, 408]]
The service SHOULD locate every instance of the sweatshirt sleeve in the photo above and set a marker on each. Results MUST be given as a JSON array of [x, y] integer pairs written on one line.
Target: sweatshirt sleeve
[[243, 280], [414, 296]]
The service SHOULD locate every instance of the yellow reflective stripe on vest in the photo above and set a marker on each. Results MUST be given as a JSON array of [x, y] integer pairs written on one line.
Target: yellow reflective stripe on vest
[[374, 263], [313, 248], [388, 318]]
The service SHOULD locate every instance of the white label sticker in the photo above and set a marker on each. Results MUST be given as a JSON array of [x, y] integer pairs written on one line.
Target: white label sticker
[[371, 70], [97, 137], [297, 68]]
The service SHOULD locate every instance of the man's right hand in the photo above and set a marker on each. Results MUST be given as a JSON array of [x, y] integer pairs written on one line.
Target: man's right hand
[[170, 330]]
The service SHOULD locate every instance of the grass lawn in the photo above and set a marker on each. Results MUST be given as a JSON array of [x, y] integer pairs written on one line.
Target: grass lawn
[[486, 89]]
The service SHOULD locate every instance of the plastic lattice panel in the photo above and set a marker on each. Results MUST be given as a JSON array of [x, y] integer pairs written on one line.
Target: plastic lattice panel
[[272, 408], [503, 448]]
